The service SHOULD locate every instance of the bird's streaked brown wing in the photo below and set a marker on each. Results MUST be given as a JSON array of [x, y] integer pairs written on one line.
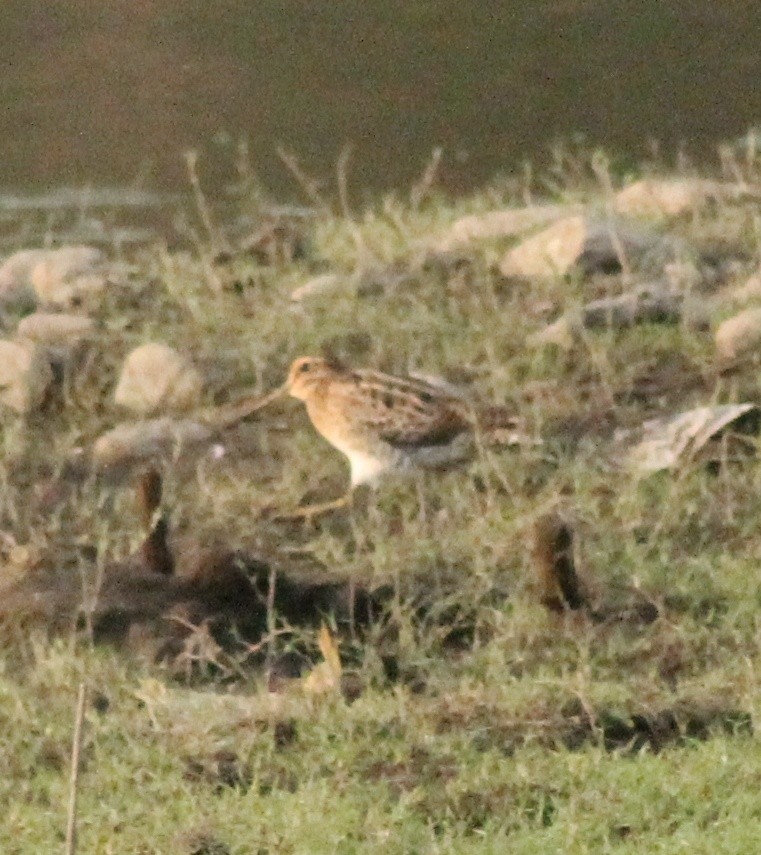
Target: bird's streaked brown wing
[[409, 413]]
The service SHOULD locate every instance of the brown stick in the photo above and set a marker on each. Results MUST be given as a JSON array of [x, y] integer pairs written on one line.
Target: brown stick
[[76, 746], [559, 585]]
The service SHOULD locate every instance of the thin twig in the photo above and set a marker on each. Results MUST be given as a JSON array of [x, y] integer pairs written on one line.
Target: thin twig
[[216, 239], [207, 260], [76, 746], [266, 640], [271, 630], [309, 185], [342, 173], [248, 177], [422, 187]]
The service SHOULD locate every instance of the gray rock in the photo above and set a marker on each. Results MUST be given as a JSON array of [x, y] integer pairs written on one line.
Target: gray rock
[[133, 442], [670, 197], [57, 277], [16, 291], [25, 375], [653, 303], [55, 330], [588, 244], [508, 222], [739, 335], [156, 378], [648, 304]]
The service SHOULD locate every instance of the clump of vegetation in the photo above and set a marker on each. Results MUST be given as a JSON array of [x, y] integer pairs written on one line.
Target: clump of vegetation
[[472, 706]]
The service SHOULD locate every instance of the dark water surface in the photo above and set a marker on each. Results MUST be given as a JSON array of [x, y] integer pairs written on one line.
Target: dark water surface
[[109, 92]]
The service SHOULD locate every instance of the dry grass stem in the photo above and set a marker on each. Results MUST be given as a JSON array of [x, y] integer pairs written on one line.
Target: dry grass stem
[[76, 748], [423, 186], [310, 186]]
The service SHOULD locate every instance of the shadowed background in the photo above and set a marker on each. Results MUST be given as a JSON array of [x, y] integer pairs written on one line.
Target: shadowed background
[[111, 93]]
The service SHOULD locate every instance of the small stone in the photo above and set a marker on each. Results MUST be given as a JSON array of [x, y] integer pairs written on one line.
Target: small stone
[[15, 561], [375, 281], [562, 333], [53, 276], [316, 286], [592, 245], [552, 252], [25, 375], [501, 224], [668, 197], [749, 291], [16, 290], [54, 288], [54, 330], [133, 442], [155, 377], [739, 335], [684, 275], [647, 304]]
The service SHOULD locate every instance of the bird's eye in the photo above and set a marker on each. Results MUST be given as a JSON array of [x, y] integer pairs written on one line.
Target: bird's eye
[[304, 367]]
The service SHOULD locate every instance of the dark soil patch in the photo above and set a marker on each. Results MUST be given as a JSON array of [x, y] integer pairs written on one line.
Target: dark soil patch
[[201, 843], [573, 727], [443, 803], [164, 598], [222, 770]]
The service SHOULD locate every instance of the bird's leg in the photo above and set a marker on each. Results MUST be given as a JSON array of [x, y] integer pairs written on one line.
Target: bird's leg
[[309, 512]]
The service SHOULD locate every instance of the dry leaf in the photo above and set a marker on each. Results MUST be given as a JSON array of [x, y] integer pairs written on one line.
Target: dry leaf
[[326, 676], [670, 440]]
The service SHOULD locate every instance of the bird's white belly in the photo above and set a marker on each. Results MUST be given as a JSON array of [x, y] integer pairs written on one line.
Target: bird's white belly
[[368, 468], [365, 468]]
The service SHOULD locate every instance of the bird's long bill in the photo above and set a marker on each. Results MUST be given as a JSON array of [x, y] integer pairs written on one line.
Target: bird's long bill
[[241, 410], [267, 399]]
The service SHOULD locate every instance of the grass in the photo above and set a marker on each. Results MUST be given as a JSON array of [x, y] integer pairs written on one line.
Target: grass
[[506, 741]]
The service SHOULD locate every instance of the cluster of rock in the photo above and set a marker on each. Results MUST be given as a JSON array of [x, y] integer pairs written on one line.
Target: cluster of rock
[[56, 287], [49, 283], [667, 283], [569, 240], [156, 384]]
